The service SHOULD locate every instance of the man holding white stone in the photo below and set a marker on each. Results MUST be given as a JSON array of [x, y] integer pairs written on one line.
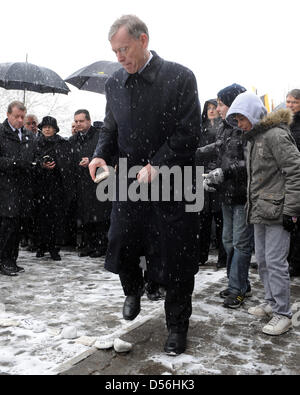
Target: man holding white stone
[[152, 120]]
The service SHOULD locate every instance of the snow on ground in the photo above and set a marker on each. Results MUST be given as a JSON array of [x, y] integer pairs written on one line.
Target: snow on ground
[[51, 296]]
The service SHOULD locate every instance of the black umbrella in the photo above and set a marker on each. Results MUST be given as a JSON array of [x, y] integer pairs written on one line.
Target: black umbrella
[[92, 78], [27, 76]]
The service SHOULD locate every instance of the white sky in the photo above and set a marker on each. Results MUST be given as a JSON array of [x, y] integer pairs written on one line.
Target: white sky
[[253, 42]]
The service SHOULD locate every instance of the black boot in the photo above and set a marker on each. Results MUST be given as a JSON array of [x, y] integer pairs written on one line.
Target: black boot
[[176, 343], [131, 307], [8, 269], [86, 251], [55, 255], [40, 253]]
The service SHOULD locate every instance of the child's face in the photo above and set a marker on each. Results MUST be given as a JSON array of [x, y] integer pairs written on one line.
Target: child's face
[[222, 109], [243, 123]]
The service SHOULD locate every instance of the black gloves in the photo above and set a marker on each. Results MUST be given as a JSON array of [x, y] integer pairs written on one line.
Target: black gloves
[[289, 223]]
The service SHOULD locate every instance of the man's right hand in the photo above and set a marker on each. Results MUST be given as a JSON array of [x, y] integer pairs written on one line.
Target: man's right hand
[[95, 164]]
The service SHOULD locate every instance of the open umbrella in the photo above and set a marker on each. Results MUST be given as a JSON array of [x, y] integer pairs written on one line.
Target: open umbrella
[[93, 77], [27, 76]]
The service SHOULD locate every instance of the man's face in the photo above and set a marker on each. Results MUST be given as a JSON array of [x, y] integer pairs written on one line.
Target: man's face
[[222, 109], [74, 130], [31, 124], [16, 118], [293, 104], [243, 123], [212, 111], [82, 124], [131, 52]]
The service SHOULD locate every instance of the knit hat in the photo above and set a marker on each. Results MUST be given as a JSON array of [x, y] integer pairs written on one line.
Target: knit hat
[[228, 94], [49, 121]]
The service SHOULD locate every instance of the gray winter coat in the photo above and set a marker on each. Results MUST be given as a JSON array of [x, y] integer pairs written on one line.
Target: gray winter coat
[[273, 167]]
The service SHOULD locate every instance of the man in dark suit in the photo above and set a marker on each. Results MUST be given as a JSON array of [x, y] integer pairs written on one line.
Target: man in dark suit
[[152, 120], [293, 103], [16, 157], [92, 215]]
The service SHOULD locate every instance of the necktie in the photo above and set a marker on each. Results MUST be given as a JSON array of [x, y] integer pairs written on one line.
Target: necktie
[[19, 133]]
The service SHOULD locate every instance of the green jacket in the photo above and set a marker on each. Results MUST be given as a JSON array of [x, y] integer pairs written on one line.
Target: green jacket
[[273, 167]]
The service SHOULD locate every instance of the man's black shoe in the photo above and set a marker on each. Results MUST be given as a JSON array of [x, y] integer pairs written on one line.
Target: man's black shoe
[[55, 256], [233, 301], [176, 343], [20, 269], [8, 270], [131, 307], [97, 254], [40, 253], [85, 252]]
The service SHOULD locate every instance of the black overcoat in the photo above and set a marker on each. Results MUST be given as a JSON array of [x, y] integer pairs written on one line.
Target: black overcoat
[[231, 151], [54, 189], [89, 209], [152, 117], [16, 188], [295, 129]]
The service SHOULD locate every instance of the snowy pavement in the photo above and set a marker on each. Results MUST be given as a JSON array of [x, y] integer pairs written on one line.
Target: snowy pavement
[[49, 297], [52, 296]]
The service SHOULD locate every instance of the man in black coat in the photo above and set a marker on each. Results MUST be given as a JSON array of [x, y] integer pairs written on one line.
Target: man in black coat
[[153, 117], [16, 157], [92, 215], [293, 102]]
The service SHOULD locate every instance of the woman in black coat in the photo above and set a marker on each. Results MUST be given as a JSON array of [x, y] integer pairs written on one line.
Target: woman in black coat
[[54, 187], [206, 156]]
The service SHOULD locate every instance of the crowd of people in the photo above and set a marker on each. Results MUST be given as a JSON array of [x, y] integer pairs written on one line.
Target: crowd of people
[[48, 198], [251, 176]]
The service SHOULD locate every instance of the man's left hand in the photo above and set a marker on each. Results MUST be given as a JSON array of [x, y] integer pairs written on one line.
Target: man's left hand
[[84, 162], [147, 175]]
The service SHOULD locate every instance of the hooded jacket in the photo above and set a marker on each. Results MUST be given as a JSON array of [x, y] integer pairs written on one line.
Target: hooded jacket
[[273, 163]]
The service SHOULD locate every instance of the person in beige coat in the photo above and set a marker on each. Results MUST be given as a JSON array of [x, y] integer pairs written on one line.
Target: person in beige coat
[[273, 203]]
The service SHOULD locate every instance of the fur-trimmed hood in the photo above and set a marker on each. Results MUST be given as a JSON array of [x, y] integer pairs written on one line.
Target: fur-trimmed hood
[[283, 116], [250, 106]]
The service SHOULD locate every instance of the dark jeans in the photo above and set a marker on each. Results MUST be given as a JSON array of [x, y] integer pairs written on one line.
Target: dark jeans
[[238, 242], [9, 239]]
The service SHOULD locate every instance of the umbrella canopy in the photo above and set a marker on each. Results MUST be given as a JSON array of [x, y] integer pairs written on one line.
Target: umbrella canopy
[[92, 78], [27, 76]]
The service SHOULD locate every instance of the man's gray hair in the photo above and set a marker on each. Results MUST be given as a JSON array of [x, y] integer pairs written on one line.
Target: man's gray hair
[[134, 25], [32, 116], [294, 93], [18, 104]]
